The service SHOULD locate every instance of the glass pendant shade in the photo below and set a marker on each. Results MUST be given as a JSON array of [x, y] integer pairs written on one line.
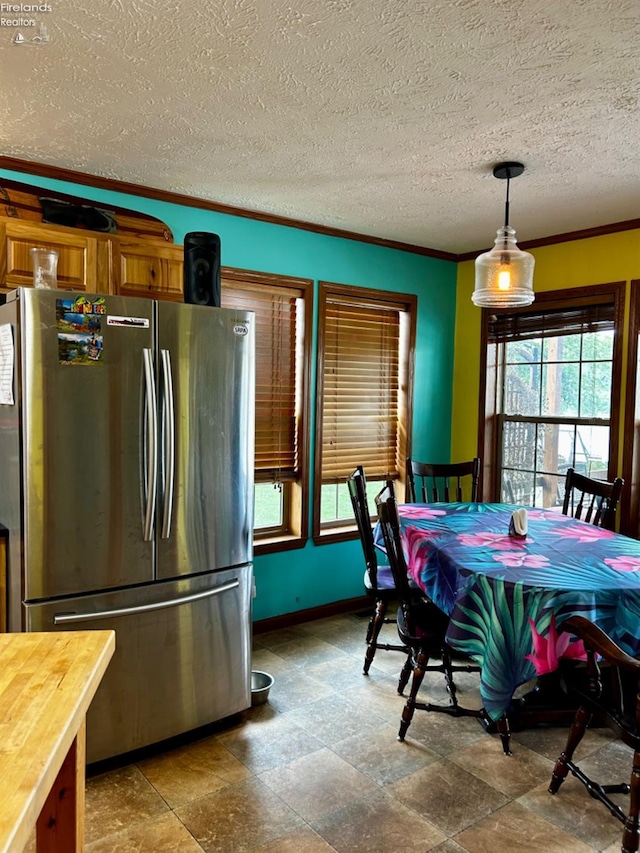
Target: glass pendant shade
[[504, 276]]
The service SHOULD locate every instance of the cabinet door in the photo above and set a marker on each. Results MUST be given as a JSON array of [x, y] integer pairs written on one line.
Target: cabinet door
[[83, 258], [149, 269]]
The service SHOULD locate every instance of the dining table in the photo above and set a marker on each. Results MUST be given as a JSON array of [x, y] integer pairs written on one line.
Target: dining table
[[507, 596]]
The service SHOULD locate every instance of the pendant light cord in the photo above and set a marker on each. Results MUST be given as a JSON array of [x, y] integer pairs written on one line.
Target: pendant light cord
[[506, 206]]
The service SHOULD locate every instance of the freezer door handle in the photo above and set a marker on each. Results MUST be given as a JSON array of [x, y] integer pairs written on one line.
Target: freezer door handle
[[169, 442], [150, 448], [69, 618]]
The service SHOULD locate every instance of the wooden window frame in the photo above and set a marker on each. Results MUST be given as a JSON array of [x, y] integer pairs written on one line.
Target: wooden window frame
[[630, 507], [406, 305], [488, 420], [294, 531]]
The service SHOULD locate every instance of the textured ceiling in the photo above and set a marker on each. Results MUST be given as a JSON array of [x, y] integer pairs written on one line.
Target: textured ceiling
[[382, 117]]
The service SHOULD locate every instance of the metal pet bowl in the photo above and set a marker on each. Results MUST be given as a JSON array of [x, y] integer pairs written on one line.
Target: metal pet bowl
[[261, 683]]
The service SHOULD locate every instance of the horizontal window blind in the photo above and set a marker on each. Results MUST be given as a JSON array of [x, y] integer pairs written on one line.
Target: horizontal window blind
[[551, 322], [360, 389], [278, 339]]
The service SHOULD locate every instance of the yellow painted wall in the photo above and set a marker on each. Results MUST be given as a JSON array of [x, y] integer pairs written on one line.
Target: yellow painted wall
[[597, 260]]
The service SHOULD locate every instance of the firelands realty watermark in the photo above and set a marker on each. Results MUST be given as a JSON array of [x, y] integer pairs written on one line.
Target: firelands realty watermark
[[11, 15]]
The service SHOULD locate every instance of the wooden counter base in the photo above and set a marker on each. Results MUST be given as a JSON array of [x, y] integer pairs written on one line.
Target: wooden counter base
[[47, 682]]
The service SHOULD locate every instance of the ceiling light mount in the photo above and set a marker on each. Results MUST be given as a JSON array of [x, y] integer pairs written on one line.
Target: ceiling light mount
[[508, 170], [504, 276]]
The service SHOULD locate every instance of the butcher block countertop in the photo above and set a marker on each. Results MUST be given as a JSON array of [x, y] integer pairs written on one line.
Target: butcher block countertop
[[47, 682]]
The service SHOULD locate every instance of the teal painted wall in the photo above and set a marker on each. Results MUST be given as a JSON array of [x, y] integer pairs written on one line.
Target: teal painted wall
[[309, 577]]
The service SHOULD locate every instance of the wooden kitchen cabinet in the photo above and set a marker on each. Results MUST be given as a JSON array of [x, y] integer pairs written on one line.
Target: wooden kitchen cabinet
[[84, 257], [91, 261], [143, 268]]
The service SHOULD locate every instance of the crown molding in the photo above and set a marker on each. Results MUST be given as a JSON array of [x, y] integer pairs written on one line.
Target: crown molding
[[61, 174], [567, 237]]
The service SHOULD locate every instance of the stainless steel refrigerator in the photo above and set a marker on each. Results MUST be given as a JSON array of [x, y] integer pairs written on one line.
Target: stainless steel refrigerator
[[126, 469]]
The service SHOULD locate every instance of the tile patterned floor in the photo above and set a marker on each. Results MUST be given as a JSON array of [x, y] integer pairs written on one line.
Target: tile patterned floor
[[318, 769]]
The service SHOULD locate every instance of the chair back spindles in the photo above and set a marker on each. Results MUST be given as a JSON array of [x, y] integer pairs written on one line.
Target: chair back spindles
[[390, 526], [357, 485], [435, 483], [592, 501]]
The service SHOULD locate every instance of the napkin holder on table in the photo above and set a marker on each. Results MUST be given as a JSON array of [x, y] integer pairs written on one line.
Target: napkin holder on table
[[518, 524]]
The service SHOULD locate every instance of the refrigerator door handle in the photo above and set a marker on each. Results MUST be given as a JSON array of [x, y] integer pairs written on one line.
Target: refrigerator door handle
[[68, 618], [169, 443], [150, 454]]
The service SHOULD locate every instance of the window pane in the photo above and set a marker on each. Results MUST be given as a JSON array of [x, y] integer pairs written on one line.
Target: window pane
[[519, 445], [566, 446], [517, 487], [548, 491], [373, 487], [561, 389], [592, 451], [268, 505], [336, 503], [521, 352], [547, 456], [522, 389], [583, 448], [595, 400], [563, 348], [598, 346]]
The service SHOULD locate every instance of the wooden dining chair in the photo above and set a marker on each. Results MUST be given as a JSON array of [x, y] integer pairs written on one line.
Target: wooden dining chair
[[378, 578], [422, 626], [593, 501], [608, 688], [452, 483]]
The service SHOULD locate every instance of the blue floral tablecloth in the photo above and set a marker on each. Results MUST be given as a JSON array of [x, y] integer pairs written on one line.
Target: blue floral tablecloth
[[507, 597]]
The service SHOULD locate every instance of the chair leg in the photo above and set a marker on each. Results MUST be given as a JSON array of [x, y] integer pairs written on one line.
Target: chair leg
[[505, 734], [372, 619], [630, 836], [405, 673], [375, 626], [576, 733], [421, 661], [448, 676]]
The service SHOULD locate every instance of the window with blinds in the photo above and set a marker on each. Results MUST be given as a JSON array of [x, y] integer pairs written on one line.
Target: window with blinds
[[282, 315], [552, 370], [552, 322], [363, 373]]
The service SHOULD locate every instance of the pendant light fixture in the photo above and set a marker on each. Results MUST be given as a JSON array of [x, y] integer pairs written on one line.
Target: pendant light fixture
[[504, 276]]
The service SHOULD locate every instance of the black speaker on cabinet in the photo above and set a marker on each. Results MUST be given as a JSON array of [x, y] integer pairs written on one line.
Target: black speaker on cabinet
[[202, 268]]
